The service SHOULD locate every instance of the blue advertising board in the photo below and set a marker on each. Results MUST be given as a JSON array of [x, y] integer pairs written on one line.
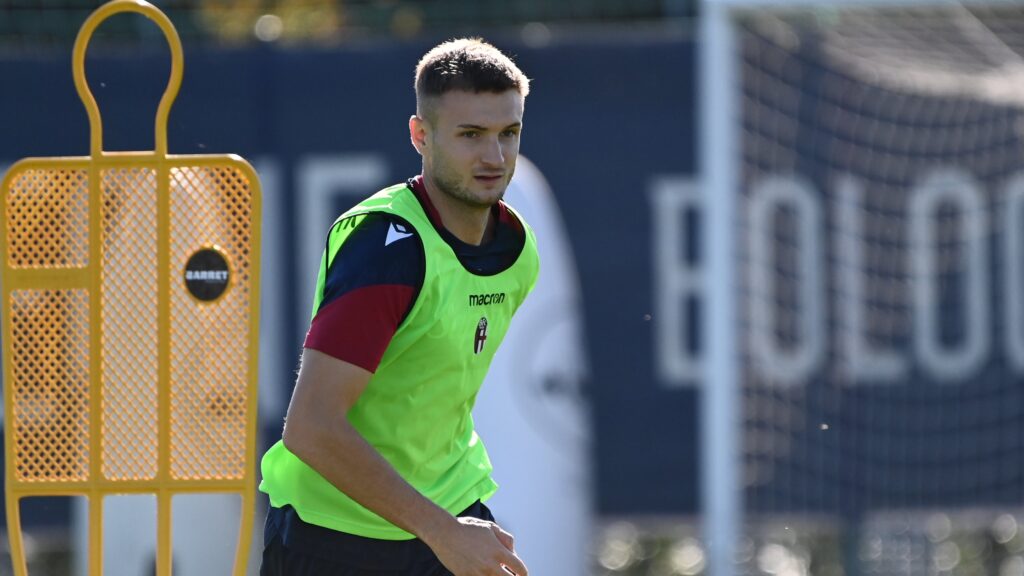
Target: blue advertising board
[[610, 118]]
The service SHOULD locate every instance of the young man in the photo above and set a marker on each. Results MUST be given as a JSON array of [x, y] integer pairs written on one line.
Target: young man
[[380, 470]]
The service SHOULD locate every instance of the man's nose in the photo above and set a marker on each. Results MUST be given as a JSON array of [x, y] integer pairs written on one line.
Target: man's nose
[[494, 152]]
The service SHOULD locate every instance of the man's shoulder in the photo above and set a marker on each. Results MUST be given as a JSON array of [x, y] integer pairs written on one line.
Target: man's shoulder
[[393, 199], [375, 235], [367, 222], [374, 239]]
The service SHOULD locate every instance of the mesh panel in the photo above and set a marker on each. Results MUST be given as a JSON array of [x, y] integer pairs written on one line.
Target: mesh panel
[[50, 359], [48, 219], [129, 324], [113, 321], [209, 360]]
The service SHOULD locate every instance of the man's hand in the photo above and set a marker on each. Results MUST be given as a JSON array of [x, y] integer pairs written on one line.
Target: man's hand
[[474, 547]]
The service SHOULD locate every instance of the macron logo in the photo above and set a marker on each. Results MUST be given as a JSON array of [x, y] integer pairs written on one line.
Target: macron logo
[[486, 299], [396, 232]]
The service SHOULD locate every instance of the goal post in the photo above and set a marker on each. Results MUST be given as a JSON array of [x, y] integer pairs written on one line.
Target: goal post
[[863, 172], [719, 405]]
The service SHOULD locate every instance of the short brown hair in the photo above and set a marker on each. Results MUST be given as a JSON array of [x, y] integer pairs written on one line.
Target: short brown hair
[[468, 64]]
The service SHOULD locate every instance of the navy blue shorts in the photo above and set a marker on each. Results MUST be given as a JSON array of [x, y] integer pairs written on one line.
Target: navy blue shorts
[[292, 547]]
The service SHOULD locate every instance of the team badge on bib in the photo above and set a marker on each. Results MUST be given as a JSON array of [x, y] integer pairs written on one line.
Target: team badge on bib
[[481, 336]]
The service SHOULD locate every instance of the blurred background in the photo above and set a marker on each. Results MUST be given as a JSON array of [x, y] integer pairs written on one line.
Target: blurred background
[[846, 178]]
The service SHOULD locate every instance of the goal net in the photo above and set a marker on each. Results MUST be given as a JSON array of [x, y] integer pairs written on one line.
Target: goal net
[[880, 240]]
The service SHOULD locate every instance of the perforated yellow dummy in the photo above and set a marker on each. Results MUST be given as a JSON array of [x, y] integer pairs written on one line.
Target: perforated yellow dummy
[[130, 298]]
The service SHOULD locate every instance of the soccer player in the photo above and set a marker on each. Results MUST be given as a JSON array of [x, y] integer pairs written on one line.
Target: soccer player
[[380, 470]]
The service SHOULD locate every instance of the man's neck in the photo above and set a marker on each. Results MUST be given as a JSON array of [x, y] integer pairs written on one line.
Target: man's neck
[[470, 224]]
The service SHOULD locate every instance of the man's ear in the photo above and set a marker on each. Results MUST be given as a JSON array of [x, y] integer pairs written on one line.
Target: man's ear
[[418, 133]]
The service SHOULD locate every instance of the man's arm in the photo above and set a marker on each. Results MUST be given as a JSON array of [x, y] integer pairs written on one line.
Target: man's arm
[[318, 432]]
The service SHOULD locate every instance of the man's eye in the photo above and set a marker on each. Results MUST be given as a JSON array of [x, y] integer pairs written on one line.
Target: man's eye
[[510, 133], [470, 134]]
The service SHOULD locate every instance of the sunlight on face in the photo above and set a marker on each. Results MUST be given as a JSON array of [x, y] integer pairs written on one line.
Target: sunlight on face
[[473, 144]]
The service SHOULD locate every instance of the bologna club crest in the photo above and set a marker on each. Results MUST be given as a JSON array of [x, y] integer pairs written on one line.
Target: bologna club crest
[[481, 336]]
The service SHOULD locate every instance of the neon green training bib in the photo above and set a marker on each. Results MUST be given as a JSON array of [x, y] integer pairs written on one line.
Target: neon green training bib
[[417, 408]]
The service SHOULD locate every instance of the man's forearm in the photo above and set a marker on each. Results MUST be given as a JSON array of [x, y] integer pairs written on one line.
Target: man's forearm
[[342, 456]]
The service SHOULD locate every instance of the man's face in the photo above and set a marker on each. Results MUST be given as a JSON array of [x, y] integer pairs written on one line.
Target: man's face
[[471, 145]]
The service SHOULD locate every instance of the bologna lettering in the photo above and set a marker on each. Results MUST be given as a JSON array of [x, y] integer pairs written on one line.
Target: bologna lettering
[[797, 361]]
